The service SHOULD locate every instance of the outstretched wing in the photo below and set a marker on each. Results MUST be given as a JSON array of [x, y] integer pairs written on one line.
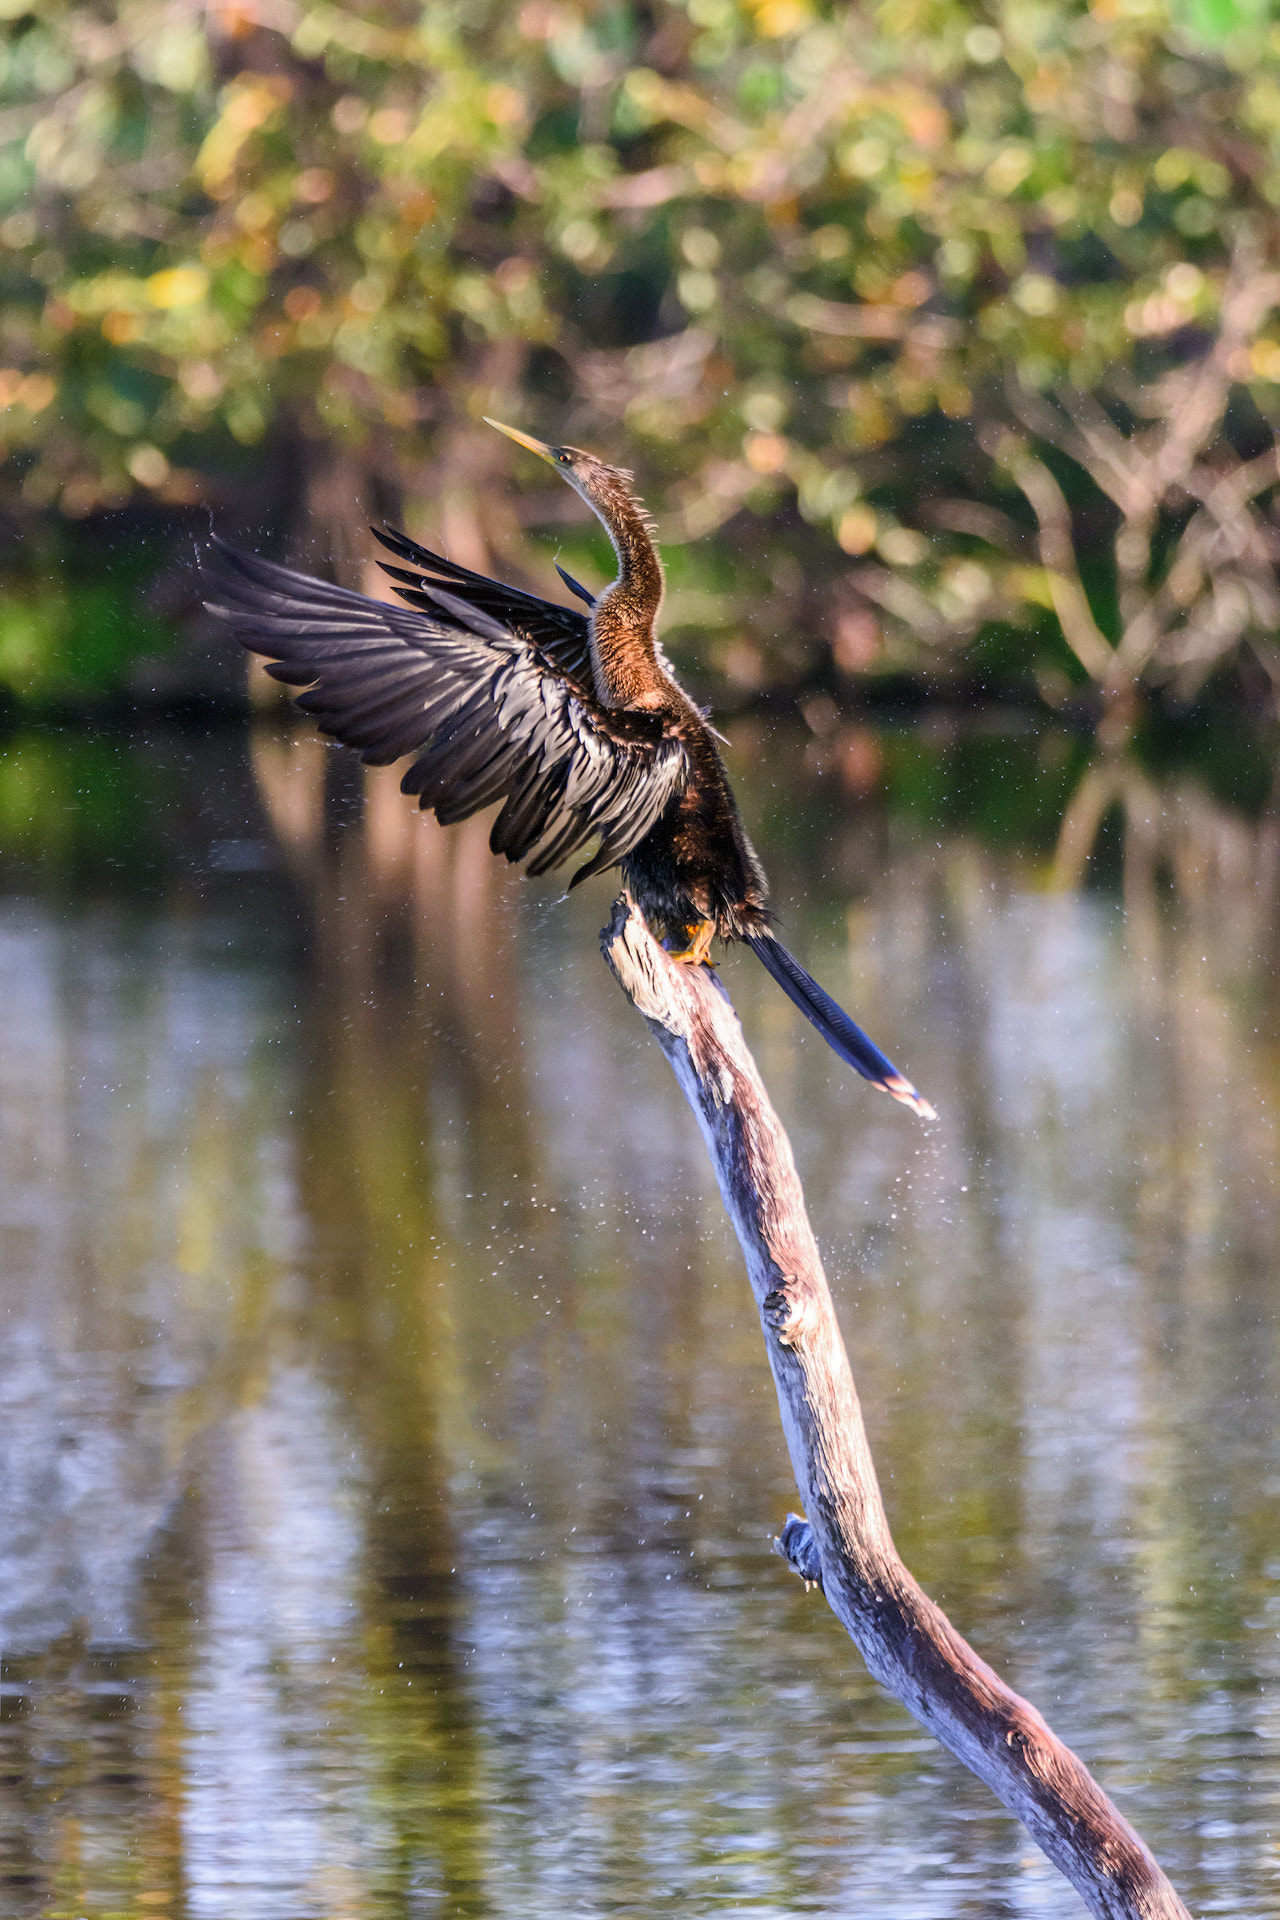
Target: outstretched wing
[[560, 633], [473, 698]]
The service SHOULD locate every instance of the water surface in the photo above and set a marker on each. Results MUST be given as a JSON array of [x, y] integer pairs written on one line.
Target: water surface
[[390, 1461]]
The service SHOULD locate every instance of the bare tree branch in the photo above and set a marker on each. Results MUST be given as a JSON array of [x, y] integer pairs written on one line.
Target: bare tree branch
[[845, 1545], [1057, 550], [904, 601]]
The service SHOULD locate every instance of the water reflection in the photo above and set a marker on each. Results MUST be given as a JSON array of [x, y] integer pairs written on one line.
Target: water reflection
[[389, 1456]]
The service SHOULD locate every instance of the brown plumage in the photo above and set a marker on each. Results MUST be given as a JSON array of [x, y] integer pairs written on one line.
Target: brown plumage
[[574, 720]]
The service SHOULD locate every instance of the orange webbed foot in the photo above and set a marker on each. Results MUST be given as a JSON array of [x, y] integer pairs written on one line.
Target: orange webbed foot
[[698, 952]]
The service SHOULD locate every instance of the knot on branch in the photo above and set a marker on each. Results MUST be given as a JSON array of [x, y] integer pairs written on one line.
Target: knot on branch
[[799, 1548], [782, 1310]]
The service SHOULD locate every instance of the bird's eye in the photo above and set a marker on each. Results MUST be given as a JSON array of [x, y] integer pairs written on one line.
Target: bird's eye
[[565, 459]]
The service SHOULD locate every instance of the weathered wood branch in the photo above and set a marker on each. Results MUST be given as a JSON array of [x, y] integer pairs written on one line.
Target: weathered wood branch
[[907, 1642]]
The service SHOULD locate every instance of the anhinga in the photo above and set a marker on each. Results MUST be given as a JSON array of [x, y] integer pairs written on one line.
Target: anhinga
[[575, 720]]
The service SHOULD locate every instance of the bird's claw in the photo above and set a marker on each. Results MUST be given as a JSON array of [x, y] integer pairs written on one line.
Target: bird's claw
[[698, 952]]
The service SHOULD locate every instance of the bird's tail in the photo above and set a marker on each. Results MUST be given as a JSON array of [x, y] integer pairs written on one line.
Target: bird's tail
[[834, 1024]]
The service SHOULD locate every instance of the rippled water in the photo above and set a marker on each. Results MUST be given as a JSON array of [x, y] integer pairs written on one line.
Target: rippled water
[[390, 1461]]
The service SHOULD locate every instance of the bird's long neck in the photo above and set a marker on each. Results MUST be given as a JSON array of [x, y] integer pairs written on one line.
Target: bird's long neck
[[623, 650]]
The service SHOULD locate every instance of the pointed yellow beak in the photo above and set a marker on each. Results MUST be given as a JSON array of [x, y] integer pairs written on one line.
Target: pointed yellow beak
[[523, 440]]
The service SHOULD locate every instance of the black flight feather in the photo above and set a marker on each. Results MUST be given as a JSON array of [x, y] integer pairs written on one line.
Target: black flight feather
[[833, 1023], [494, 693], [478, 681]]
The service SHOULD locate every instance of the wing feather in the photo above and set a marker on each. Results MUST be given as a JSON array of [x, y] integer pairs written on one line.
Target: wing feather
[[528, 813], [459, 752], [561, 633], [487, 687], [476, 789]]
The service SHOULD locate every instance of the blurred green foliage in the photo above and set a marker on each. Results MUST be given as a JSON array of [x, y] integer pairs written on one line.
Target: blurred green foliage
[[68, 633], [786, 258], [79, 804]]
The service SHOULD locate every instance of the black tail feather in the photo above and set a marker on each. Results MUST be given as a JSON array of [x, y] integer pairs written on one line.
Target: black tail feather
[[834, 1024]]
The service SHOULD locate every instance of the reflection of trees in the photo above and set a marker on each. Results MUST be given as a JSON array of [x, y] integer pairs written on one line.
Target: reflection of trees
[[384, 1274], [1222, 868], [1061, 1307], [404, 919], [1201, 883], [404, 914], [1116, 1089], [288, 1281], [137, 1272]]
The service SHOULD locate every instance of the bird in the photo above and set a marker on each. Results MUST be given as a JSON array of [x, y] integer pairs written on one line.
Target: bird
[[575, 720]]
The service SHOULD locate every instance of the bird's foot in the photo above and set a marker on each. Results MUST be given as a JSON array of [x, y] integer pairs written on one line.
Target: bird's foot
[[698, 952]]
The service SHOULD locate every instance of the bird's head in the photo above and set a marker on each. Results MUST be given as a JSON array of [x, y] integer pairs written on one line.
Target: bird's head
[[608, 491]]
